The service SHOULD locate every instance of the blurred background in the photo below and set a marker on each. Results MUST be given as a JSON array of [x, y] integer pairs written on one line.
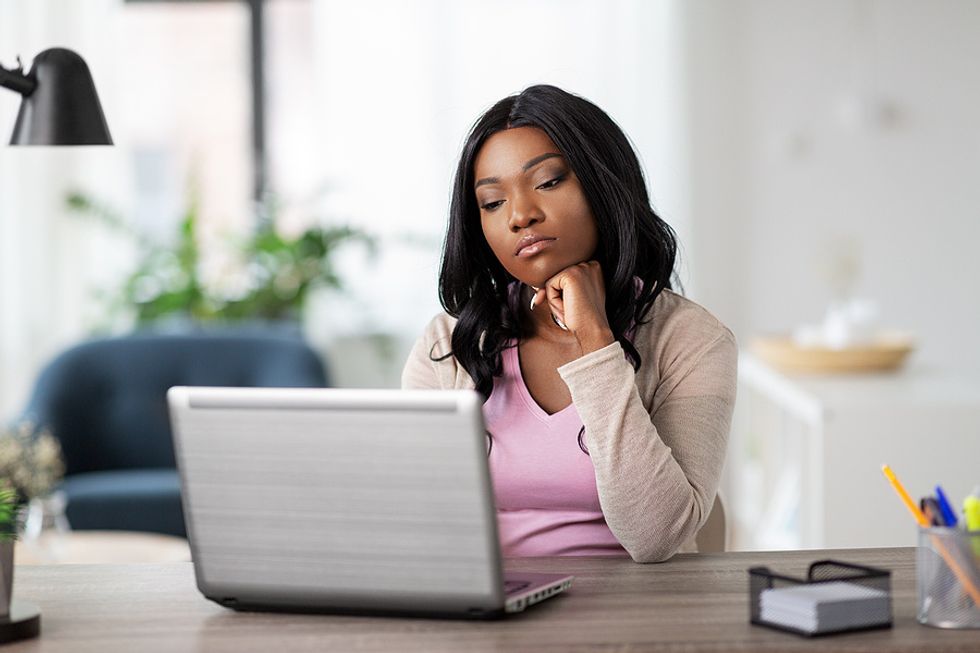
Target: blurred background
[[804, 151]]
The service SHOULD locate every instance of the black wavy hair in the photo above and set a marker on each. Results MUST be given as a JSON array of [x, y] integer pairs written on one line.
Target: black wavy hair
[[634, 242]]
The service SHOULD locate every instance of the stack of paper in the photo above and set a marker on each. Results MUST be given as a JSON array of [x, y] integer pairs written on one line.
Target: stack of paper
[[824, 607]]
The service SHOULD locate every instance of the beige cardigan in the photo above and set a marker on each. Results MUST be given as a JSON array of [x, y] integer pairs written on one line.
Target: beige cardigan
[[657, 436]]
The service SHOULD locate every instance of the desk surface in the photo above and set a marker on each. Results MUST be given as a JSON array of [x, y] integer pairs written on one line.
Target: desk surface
[[101, 547], [694, 602]]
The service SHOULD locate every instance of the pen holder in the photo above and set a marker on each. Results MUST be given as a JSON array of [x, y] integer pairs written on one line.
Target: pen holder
[[947, 576], [834, 597]]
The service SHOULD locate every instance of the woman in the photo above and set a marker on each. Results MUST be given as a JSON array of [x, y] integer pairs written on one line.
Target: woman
[[608, 397]]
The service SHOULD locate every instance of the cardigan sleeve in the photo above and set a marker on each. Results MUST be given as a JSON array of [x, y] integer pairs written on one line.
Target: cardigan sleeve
[[656, 474], [419, 372], [429, 365]]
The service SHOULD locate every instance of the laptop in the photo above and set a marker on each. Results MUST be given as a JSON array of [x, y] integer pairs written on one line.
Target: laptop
[[346, 501]]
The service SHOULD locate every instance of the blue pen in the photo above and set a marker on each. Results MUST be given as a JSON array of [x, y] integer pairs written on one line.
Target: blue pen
[[948, 515]]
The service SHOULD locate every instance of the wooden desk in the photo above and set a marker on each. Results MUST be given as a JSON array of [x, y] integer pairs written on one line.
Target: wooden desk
[[102, 547], [694, 603]]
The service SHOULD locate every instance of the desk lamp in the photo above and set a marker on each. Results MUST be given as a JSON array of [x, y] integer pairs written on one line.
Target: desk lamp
[[60, 105]]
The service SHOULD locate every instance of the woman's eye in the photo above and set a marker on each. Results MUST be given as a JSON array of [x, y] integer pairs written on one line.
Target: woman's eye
[[552, 183], [490, 206]]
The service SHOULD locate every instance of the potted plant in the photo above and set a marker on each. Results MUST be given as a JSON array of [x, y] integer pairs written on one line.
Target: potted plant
[[8, 534], [275, 273], [31, 466], [18, 619]]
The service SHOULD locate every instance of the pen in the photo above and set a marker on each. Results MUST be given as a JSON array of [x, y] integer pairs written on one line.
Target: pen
[[971, 510], [930, 508], [937, 544], [904, 496], [948, 514], [971, 514]]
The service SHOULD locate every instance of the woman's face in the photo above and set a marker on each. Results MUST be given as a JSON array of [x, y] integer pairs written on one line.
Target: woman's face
[[534, 214]]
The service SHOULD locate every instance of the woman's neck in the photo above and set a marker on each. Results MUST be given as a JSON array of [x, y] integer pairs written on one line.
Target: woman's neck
[[542, 323]]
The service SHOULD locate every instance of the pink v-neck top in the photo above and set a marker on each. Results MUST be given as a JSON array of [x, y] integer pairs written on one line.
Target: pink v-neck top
[[544, 483], [656, 437]]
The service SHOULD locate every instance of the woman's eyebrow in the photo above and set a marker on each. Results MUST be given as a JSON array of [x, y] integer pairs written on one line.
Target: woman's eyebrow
[[527, 166], [538, 159]]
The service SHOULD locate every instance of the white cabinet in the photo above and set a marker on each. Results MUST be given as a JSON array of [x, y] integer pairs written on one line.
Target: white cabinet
[[804, 460]]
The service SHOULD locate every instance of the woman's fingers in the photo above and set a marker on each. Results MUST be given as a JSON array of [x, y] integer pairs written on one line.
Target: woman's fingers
[[576, 297], [539, 295], [556, 301], [578, 289]]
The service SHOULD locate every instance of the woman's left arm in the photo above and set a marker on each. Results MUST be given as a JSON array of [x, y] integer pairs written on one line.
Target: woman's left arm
[[657, 474]]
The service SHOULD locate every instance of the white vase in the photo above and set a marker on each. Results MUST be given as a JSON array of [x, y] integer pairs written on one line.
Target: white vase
[[45, 515], [6, 575]]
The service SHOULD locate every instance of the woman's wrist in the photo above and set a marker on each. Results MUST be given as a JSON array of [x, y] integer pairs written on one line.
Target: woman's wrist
[[594, 340]]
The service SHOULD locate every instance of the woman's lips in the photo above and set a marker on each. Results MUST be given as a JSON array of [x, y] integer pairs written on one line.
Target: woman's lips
[[535, 247]]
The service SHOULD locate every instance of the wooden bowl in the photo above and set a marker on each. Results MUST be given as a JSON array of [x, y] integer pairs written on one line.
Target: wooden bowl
[[887, 352]]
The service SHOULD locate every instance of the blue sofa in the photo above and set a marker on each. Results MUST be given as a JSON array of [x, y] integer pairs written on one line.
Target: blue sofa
[[105, 401]]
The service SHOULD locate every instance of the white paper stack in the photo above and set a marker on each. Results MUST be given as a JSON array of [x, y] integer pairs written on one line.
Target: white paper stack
[[824, 607]]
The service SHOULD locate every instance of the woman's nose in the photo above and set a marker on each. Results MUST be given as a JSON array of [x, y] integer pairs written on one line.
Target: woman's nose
[[524, 213]]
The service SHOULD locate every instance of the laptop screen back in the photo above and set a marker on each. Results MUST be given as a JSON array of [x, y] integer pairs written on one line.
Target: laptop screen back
[[375, 499]]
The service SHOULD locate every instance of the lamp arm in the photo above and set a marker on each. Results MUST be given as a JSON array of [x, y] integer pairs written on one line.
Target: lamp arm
[[16, 80]]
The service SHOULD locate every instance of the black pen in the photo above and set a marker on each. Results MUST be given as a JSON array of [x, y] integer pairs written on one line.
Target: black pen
[[932, 511]]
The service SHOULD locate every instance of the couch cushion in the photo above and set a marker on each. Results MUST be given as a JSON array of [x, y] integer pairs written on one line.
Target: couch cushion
[[106, 400], [137, 500]]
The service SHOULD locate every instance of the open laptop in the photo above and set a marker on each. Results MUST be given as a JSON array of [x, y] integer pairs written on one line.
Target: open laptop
[[344, 501]]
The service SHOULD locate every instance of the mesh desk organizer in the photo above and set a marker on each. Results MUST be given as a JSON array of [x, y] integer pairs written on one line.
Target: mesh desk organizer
[[835, 597]]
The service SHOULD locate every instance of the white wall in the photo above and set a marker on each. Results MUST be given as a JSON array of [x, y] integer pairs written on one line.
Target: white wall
[[815, 129], [50, 261], [398, 85], [746, 114], [370, 99], [813, 123]]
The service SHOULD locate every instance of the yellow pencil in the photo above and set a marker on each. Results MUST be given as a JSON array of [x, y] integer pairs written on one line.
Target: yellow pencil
[[904, 496], [951, 562]]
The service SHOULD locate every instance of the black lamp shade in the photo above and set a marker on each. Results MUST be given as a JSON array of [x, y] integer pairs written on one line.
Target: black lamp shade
[[64, 108]]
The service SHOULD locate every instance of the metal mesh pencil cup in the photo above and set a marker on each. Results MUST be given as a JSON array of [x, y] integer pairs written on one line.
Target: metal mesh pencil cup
[[946, 562]]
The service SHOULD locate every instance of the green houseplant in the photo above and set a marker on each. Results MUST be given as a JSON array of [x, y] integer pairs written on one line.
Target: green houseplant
[[18, 620], [31, 466], [278, 272], [9, 509]]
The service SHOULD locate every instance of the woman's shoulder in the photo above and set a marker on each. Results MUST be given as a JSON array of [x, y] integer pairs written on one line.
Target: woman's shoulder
[[438, 334], [431, 363], [686, 346], [678, 327]]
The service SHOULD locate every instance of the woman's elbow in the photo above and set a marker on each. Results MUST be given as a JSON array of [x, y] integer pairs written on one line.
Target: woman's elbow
[[662, 545], [650, 553]]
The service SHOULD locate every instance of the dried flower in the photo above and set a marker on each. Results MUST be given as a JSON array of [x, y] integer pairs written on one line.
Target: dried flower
[[30, 460]]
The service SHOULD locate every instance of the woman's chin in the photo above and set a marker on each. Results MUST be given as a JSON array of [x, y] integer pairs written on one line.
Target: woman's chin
[[540, 276], [538, 273], [535, 282]]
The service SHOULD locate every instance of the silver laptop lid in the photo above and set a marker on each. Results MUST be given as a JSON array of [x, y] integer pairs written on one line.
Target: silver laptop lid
[[373, 499]]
